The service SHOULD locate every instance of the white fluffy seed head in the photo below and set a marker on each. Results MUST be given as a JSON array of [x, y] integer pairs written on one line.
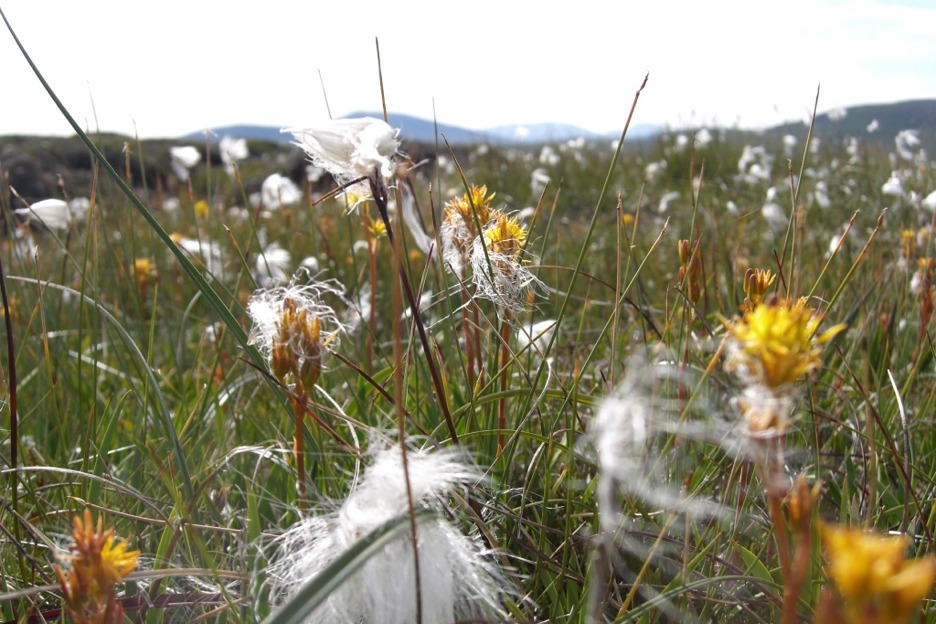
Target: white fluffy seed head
[[459, 579], [350, 148]]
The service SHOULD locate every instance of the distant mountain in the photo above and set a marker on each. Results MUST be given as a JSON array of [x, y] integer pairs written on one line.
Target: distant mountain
[[877, 123], [424, 131], [411, 129]]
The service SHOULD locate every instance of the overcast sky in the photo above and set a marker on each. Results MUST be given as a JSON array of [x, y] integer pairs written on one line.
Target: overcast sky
[[168, 68]]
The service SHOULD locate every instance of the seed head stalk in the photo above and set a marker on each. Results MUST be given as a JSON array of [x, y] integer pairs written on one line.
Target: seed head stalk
[[504, 361], [379, 193]]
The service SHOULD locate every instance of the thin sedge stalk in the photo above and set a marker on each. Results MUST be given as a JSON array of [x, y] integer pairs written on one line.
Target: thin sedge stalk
[[670, 518], [825, 267], [861, 255], [372, 297], [504, 362], [299, 449], [469, 341], [795, 196], [380, 199], [583, 251]]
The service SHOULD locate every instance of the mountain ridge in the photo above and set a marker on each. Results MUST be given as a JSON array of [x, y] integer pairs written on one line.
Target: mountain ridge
[[877, 122]]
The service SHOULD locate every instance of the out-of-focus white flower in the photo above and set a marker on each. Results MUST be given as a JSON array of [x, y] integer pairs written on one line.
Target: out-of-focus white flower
[[893, 186], [703, 137], [204, 252], [350, 149], [172, 204], [314, 173], [182, 159], [525, 214], [653, 170], [821, 194], [906, 143], [232, 152], [52, 213], [24, 245], [310, 264], [548, 156], [755, 164], [775, 215], [278, 191], [535, 335], [929, 202], [459, 579], [665, 201], [538, 181], [873, 126], [272, 266], [789, 144], [837, 114], [79, 207]]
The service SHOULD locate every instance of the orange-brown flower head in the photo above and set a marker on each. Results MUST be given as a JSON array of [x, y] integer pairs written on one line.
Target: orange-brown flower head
[[875, 580], [690, 269], [288, 327], [96, 561], [756, 283]]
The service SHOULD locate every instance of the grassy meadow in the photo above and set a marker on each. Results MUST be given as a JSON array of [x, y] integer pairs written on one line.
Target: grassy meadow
[[634, 450]]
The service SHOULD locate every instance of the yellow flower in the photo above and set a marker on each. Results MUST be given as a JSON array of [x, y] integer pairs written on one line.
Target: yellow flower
[[96, 561], [497, 266], [777, 342], [505, 237], [376, 227], [461, 207], [460, 228], [201, 209], [871, 572]]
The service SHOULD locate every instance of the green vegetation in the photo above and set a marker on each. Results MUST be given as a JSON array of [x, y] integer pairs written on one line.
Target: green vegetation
[[127, 393]]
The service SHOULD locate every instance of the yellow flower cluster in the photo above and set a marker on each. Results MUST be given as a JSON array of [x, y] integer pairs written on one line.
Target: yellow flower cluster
[[505, 237], [877, 584], [96, 562], [460, 227], [778, 341], [461, 207]]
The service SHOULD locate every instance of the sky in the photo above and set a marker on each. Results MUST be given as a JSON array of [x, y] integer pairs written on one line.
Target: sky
[[168, 68]]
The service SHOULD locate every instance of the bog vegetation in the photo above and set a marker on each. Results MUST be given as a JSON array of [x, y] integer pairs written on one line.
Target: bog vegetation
[[692, 381]]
